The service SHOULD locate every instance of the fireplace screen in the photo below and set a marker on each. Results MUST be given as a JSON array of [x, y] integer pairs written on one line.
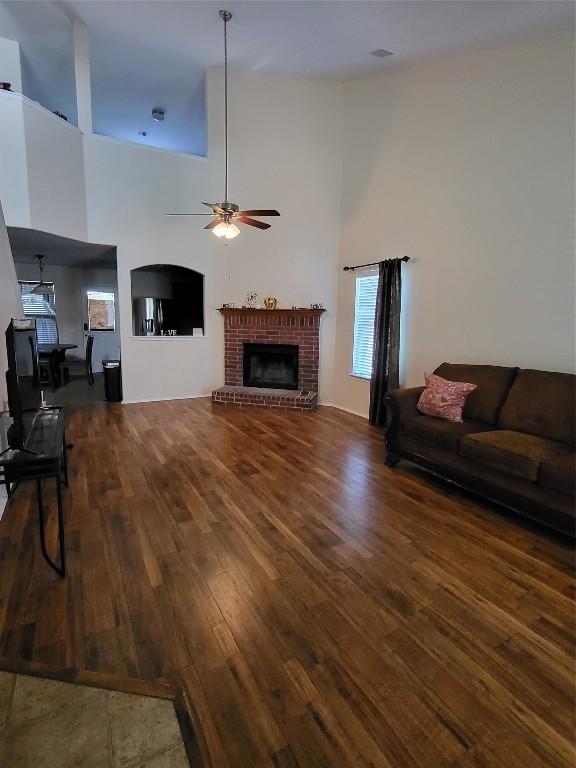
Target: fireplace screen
[[273, 366]]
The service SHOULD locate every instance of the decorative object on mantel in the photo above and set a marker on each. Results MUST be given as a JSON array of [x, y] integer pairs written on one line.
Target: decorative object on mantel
[[60, 115], [270, 302], [316, 306], [251, 300], [226, 213], [298, 311], [228, 305]]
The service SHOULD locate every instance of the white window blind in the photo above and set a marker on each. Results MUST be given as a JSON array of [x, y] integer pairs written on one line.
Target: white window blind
[[364, 312], [43, 309]]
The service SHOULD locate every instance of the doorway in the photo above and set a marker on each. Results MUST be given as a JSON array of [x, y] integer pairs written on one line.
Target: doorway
[[100, 319], [83, 301]]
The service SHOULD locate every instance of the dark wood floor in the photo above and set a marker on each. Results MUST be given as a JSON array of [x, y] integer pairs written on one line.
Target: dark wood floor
[[320, 608]]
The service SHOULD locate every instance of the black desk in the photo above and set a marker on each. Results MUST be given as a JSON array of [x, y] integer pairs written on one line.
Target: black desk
[[43, 457]]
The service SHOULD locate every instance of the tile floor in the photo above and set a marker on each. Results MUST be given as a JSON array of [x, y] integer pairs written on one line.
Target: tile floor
[[77, 392], [48, 724]]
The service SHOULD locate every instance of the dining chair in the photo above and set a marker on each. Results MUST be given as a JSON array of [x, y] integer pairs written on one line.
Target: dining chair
[[80, 366], [43, 368]]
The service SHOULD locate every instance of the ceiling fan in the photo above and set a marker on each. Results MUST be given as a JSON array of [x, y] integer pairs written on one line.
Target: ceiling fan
[[226, 214]]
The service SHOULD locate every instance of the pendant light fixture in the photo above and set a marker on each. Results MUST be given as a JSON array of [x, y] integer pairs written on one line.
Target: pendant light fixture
[[227, 214], [42, 289]]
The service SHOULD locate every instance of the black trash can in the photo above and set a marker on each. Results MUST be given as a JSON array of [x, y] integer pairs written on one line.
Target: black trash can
[[112, 380]]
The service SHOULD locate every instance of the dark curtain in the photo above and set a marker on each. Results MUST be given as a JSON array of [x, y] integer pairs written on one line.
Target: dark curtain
[[386, 356]]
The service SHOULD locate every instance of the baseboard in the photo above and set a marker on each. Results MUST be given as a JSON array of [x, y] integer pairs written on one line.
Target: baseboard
[[165, 399], [197, 397], [347, 410]]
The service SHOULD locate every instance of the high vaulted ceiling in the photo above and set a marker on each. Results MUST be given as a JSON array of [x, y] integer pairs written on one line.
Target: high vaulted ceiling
[[312, 39], [155, 53]]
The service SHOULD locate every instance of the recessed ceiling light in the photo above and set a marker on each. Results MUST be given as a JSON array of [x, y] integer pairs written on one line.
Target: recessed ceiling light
[[381, 53], [158, 114]]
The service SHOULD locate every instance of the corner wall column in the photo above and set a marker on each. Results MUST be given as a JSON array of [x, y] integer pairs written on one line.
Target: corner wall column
[[81, 44]]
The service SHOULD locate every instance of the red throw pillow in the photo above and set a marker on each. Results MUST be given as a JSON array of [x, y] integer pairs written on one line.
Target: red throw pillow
[[444, 399]]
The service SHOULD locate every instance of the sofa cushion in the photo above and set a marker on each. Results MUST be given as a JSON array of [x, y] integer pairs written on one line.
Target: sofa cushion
[[559, 474], [439, 432], [444, 399], [493, 385], [515, 453], [541, 403]]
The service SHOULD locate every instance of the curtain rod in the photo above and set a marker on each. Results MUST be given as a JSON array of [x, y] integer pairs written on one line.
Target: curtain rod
[[372, 264]]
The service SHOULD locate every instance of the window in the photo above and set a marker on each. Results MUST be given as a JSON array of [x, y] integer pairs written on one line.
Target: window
[[43, 309], [101, 315], [364, 311]]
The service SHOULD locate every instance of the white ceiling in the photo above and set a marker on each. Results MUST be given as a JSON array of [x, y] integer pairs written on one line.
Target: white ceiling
[[27, 243], [313, 39], [155, 53]]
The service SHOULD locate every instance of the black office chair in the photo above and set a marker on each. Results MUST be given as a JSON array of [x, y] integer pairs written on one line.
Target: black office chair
[[80, 366]]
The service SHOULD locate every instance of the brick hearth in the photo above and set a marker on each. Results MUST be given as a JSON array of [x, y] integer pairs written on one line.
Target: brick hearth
[[271, 326], [272, 398]]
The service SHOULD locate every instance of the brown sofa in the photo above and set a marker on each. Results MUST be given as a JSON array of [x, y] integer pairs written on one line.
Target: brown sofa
[[515, 445]]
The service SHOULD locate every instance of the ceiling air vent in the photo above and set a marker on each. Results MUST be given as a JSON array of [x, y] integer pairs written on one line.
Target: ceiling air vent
[[381, 53]]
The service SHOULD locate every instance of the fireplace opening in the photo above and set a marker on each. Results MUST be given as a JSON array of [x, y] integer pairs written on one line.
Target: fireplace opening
[[274, 366]]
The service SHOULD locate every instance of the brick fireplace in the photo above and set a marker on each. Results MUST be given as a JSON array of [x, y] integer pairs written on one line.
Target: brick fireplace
[[285, 329]]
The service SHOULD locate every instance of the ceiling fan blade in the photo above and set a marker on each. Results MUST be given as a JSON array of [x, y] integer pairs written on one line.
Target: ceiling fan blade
[[213, 223], [259, 213], [188, 214], [252, 222], [215, 207]]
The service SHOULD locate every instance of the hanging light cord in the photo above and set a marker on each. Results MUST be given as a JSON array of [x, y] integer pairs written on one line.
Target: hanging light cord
[[226, 15]]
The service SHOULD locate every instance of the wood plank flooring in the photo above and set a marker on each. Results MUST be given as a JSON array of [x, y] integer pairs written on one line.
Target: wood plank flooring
[[319, 608]]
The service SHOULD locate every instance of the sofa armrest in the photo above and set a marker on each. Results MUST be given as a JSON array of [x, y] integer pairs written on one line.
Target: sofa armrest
[[400, 404]]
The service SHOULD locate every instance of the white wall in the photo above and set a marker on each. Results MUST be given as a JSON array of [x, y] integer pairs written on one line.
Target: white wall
[[467, 166], [10, 70], [285, 153], [14, 192], [42, 183], [55, 174]]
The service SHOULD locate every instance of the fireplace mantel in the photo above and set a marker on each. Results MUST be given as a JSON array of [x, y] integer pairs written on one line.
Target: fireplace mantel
[[247, 311]]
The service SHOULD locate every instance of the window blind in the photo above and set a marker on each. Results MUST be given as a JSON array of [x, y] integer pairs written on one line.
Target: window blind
[[364, 312], [43, 309]]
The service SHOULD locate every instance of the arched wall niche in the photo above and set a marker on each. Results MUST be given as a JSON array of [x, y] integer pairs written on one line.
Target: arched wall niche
[[167, 300]]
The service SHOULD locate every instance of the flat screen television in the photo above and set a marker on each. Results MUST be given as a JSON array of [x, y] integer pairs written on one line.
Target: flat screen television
[[23, 384]]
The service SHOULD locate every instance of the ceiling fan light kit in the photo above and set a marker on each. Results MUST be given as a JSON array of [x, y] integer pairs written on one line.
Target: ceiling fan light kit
[[226, 214], [226, 229]]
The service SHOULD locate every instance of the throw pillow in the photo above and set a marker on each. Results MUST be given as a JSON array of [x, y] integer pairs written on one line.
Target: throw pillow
[[444, 399]]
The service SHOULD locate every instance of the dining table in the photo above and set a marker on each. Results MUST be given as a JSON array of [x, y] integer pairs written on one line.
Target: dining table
[[55, 354]]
